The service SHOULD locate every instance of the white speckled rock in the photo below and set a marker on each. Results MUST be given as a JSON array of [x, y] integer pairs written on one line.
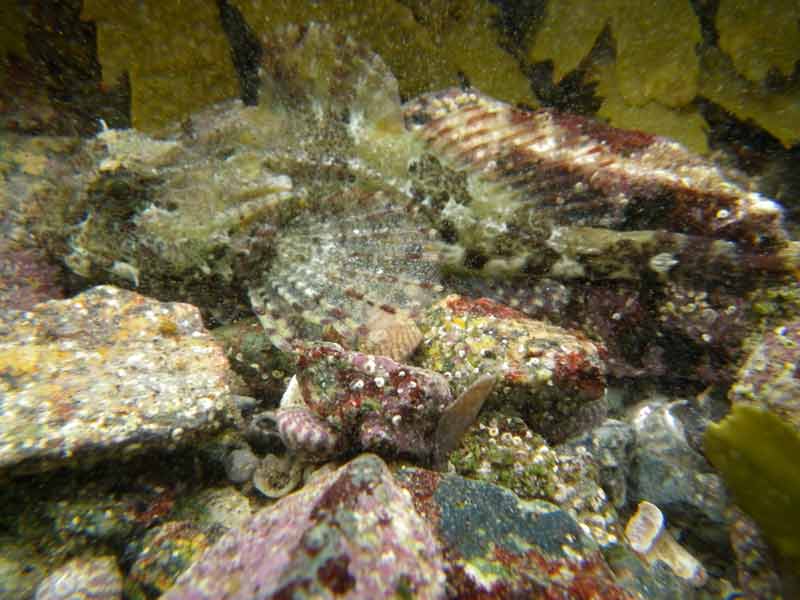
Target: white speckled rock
[[106, 372]]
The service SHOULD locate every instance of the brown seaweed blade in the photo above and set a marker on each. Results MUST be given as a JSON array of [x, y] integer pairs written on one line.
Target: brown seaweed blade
[[345, 276], [544, 174]]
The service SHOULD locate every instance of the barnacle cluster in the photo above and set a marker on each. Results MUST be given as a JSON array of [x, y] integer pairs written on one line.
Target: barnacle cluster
[[550, 377], [503, 450]]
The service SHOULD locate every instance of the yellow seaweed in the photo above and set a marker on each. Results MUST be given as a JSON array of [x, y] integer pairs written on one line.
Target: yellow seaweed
[[756, 453], [759, 35], [777, 112], [387, 27], [13, 24], [471, 43], [685, 125], [425, 46], [175, 53], [655, 44]]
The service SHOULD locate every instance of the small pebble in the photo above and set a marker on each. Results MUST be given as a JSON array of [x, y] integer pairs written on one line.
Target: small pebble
[[240, 464], [95, 578]]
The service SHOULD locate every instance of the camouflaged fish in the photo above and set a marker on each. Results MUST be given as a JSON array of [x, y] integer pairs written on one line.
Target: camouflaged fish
[[342, 214], [474, 189], [564, 196]]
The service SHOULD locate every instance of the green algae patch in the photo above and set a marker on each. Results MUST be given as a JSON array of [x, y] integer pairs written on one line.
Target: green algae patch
[[756, 453]]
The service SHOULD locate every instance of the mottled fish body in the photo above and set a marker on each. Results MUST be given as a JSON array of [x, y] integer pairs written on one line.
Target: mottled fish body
[[565, 196]]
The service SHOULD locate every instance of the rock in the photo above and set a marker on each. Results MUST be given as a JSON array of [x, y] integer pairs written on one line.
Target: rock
[[502, 450], [653, 582], [264, 368], [20, 569], [240, 464], [341, 401], [352, 532], [769, 376], [580, 494], [215, 509], [164, 553], [106, 373], [755, 565], [668, 472], [97, 516], [95, 578], [716, 322], [552, 378], [610, 446], [499, 546], [276, 476], [26, 277]]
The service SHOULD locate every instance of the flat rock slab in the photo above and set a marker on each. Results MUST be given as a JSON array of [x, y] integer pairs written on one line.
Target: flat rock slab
[[104, 373], [499, 546], [351, 533]]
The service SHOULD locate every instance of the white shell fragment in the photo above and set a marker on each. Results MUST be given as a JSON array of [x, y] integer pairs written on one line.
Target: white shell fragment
[[644, 527], [648, 536]]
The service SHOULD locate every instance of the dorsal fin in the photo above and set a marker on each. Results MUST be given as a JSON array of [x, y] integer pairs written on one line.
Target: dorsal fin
[[459, 416], [315, 68]]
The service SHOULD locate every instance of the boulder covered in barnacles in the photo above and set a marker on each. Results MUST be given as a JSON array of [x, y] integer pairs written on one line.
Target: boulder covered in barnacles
[[552, 378], [342, 401], [502, 450]]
